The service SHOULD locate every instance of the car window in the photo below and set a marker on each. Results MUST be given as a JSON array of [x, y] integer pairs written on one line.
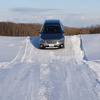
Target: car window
[[51, 29], [62, 26]]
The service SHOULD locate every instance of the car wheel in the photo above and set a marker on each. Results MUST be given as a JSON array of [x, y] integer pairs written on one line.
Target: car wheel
[[62, 46], [41, 46]]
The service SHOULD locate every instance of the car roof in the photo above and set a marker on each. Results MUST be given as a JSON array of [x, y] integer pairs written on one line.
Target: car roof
[[52, 22]]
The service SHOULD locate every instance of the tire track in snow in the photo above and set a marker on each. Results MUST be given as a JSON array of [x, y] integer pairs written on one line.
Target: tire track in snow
[[52, 82], [34, 83]]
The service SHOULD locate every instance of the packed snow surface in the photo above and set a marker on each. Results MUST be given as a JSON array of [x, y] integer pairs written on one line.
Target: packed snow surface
[[28, 73]]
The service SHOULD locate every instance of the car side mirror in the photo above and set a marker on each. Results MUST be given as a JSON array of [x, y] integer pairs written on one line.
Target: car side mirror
[[64, 31]]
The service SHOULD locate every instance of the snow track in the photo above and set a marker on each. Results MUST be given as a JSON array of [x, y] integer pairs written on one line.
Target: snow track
[[51, 74]]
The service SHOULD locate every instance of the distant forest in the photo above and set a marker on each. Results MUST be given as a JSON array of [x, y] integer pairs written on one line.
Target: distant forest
[[23, 29]]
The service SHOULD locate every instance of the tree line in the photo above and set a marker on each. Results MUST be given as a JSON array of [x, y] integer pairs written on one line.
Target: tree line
[[24, 29], [18, 29]]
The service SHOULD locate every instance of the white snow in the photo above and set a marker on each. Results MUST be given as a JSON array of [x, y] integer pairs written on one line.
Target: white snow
[[91, 44], [28, 73], [9, 47]]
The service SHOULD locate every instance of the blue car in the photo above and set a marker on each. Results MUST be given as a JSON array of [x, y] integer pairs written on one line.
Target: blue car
[[52, 34]]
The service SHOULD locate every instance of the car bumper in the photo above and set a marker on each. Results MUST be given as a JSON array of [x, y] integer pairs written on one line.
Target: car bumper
[[56, 44]]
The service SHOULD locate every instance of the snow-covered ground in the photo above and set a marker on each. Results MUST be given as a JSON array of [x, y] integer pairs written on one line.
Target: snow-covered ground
[[91, 45], [28, 73]]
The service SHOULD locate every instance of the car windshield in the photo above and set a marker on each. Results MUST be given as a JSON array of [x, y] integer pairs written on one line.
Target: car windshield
[[51, 29]]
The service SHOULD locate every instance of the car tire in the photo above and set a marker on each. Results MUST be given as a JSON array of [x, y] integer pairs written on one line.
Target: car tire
[[41, 47], [62, 46]]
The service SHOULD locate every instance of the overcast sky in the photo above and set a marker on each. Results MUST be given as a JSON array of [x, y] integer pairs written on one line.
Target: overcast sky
[[73, 13]]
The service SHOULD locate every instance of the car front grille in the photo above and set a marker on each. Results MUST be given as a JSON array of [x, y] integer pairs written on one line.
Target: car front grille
[[51, 41]]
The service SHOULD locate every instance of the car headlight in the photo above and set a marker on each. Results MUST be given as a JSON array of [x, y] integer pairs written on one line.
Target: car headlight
[[42, 41], [61, 40]]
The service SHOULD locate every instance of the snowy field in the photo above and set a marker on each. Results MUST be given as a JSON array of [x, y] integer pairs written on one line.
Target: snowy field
[[28, 73]]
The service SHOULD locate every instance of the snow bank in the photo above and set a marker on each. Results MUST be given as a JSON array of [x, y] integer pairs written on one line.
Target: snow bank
[[91, 45]]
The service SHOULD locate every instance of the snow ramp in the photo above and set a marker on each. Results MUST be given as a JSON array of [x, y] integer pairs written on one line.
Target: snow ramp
[[51, 74]]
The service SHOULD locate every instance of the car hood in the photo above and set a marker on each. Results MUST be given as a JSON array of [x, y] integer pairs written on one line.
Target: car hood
[[52, 36]]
